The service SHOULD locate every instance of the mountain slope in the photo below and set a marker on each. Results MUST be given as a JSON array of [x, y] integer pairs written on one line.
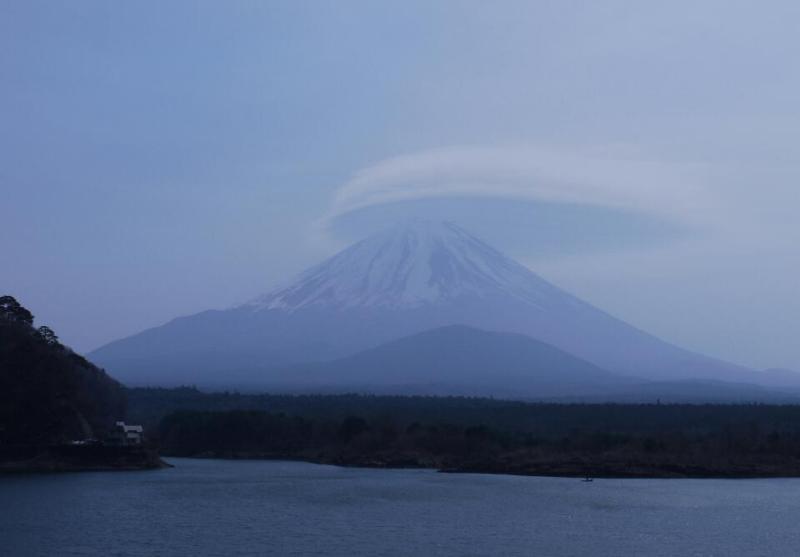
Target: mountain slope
[[411, 278], [457, 359]]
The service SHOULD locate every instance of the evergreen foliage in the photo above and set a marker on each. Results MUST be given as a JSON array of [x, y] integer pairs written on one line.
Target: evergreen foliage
[[49, 394]]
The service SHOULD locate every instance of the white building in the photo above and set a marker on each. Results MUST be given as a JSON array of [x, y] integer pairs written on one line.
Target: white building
[[125, 434]]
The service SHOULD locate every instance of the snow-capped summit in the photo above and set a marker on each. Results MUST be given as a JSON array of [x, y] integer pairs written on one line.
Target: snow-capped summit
[[414, 263]]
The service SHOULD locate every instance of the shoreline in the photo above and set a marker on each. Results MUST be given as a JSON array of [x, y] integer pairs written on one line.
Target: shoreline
[[64, 459], [553, 469]]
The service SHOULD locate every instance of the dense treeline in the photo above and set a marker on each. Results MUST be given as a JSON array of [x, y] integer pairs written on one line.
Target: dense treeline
[[540, 419], [247, 434], [463, 434], [48, 393]]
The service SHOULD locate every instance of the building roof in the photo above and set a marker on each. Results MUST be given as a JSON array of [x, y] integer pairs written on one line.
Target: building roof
[[130, 428]]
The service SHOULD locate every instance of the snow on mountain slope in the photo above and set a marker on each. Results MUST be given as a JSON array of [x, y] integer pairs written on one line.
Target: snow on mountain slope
[[412, 264]]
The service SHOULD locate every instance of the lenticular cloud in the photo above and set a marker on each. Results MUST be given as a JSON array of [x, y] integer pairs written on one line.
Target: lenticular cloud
[[666, 190]]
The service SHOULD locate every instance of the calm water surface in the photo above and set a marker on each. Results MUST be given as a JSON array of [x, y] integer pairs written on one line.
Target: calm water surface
[[213, 507]]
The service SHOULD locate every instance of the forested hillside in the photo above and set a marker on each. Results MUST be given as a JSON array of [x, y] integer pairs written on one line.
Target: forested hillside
[[48, 393]]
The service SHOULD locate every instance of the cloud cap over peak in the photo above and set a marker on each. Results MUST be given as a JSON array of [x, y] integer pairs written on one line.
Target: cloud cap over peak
[[608, 179]]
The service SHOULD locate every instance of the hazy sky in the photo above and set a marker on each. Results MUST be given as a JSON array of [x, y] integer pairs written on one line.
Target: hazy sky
[[161, 158]]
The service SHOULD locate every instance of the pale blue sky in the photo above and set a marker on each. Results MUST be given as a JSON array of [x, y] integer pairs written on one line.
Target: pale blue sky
[[161, 158]]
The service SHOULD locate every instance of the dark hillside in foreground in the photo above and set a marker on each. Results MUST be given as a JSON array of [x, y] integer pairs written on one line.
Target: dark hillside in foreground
[[56, 408], [48, 393]]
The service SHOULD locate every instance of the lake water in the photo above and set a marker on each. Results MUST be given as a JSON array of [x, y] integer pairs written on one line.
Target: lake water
[[213, 507]]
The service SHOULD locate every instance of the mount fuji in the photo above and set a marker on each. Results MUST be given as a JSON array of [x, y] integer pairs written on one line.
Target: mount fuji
[[414, 277]]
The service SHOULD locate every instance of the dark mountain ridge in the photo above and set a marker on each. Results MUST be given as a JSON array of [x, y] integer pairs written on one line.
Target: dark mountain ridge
[[460, 360]]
